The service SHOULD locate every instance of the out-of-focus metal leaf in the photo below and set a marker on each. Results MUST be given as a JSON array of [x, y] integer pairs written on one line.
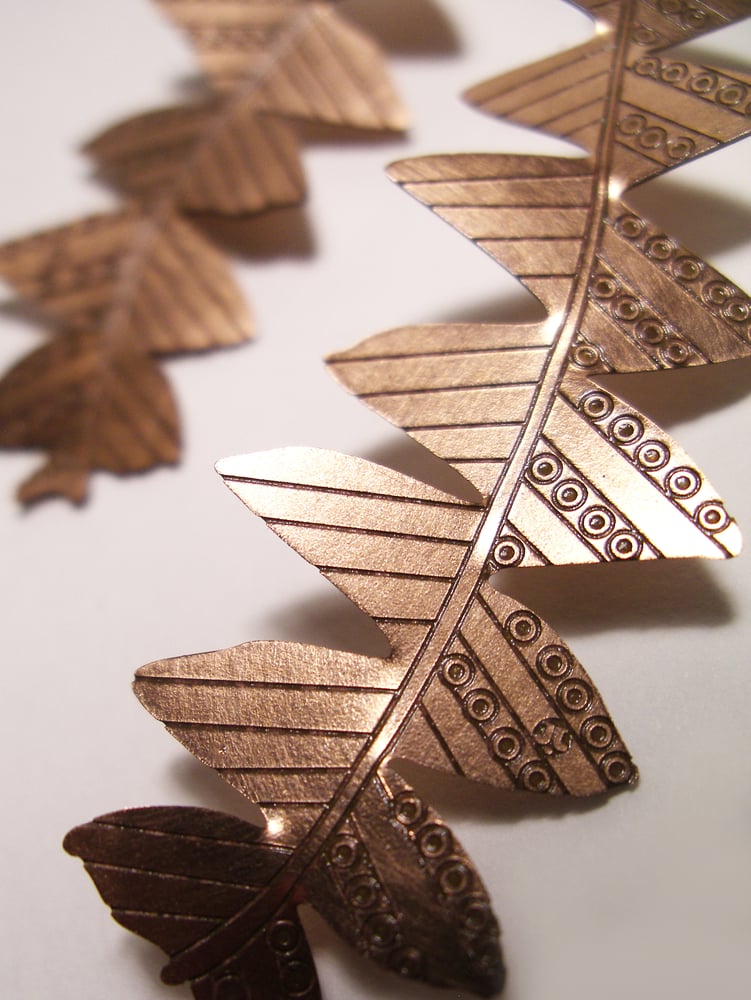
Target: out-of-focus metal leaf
[[124, 290], [231, 36], [144, 281]]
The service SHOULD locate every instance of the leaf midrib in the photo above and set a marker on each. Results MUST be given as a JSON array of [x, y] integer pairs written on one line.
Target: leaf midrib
[[242, 928]]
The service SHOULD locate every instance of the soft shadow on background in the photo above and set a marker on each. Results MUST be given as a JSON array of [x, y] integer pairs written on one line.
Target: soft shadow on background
[[701, 220]]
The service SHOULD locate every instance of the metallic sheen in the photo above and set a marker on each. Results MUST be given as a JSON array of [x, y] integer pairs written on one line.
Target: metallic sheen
[[476, 685]]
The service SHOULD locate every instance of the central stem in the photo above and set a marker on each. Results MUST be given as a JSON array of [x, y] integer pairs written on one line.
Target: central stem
[[239, 931]]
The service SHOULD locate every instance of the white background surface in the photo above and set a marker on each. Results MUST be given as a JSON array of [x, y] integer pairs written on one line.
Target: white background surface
[[646, 894]]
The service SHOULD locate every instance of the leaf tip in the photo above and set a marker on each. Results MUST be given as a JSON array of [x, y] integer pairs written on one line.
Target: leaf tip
[[401, 171], [55, 479], [71, 842], [475, 95]]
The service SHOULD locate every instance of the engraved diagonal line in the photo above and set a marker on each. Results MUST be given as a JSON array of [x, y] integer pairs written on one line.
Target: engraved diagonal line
[[441, 427], [435, 390], [527, 543], [405, 620], [147, 831], [511, 203], [387, 574], [287, 770], [167, 876], [527, 239], [508, 83], [190, 917], [579, 162], [342, 491], [474, 460], [583, 127], [440, 739], [568, 112], [407, 356], [283, 804], [197, 265], [571, 92], [358, 532], [281, 685], [235, 933], [351, 68], [286, 730]]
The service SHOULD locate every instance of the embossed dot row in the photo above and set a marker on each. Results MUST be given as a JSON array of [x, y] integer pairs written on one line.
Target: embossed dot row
[[357, 881], [470, 905], [437, 849], [583, 508], [378, 923], [729, 93], [689, 15], [505, 744], [637, 131], [680, 483], [719, 295], [657, 337], [297, 975], [559, 674]]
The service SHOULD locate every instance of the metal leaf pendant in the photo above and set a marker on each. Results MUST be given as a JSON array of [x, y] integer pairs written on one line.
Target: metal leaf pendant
[[122, 290], [476, 685]]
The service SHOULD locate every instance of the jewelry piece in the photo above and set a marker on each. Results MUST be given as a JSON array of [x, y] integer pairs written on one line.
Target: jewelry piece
[[476, 685]]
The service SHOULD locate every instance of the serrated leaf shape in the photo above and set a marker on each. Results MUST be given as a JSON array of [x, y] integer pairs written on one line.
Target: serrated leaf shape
[[302, 730], [143, 281], [124, 291], [660, 111], [476, 685], [239, 154], [230, 35], [158, 287], [232, 38], [393, 882], [226, 160], [173, 875]]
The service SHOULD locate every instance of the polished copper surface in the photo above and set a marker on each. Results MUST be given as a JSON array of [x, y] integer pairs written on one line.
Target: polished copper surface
[[121, 290], [476, 685]]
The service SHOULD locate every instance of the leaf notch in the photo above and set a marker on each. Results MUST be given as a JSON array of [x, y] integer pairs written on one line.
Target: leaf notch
[[476, 685]]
